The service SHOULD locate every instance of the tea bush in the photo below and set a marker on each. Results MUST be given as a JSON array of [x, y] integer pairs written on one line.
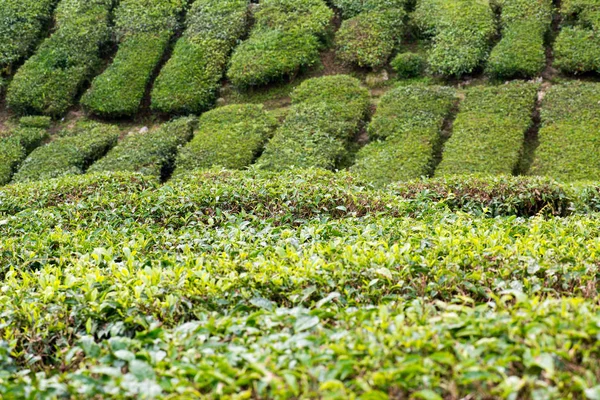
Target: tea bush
[[50, 80], [152, 153], [144, 29], [489, 132], [405, 132], [569, 136], [460, 32], [285, 39], [326, 114], [230, 137], [409, 65], [70, 154], [189, 81], [21, 26], [521, 52], [15, 148]]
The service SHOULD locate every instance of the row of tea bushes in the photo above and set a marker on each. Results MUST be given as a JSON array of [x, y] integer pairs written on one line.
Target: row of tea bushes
[[577, 47], [143, 29], [371, 33], [152, 153], [489, 131], [21, 25], [230, 137], [326, 114], [50, 80], [70, 154], [286, 38], [521, 52], [570, 133], [461, 32], [190, 80], [30, 133], [405, 134]]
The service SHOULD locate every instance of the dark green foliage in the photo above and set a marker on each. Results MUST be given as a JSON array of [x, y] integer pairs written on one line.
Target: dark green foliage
[[460, 30], [521, 52], [69, 154], [50, 80], [489, 131], [285, 39], [368, 39], [144, 28], [230, 137], [409, 65], [152, 153], [21, 141], [577, 46], [406, 132], [327, 112], [21, 24], [570, 133], [351, 8], [189, 81]]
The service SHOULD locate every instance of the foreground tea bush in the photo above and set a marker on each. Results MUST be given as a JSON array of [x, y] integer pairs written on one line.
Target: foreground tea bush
[[371, 33], [569, 135], [229, 137], [21, 141], [406, 132], [285, 38], [521, 52], [49, 81], [189, 81], [460, 31], [71, 154], [21, 26], [576, 48], [152, 153], [489, 131], [326, 114], [143, 29]]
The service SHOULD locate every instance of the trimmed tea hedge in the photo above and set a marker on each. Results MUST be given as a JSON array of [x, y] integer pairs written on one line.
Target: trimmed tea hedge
[[189, 81], [71, 154], [15, 148], [577, 47], [369, 38], [144, 29], [327, 112], [285, 39], [406, 129], [21, 26], [489, 131], [230, 137], [570, 133], [461, 33], [49, 81], [152, 153], [521, 52]]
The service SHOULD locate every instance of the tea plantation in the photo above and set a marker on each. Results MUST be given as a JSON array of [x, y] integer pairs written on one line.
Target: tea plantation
[[300, 199]]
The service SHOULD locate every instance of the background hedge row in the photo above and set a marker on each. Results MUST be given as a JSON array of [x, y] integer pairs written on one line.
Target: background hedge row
[[405, 134], [21, 141], [21, 26], [570, 133], [460, 31], [70, 154], [189, 81], [230, 137], [521, 52], [285, 38], [373, 31], [143, 29], [152, 153], [577, 47], [489, 131], [326, 114], [50, 80]]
